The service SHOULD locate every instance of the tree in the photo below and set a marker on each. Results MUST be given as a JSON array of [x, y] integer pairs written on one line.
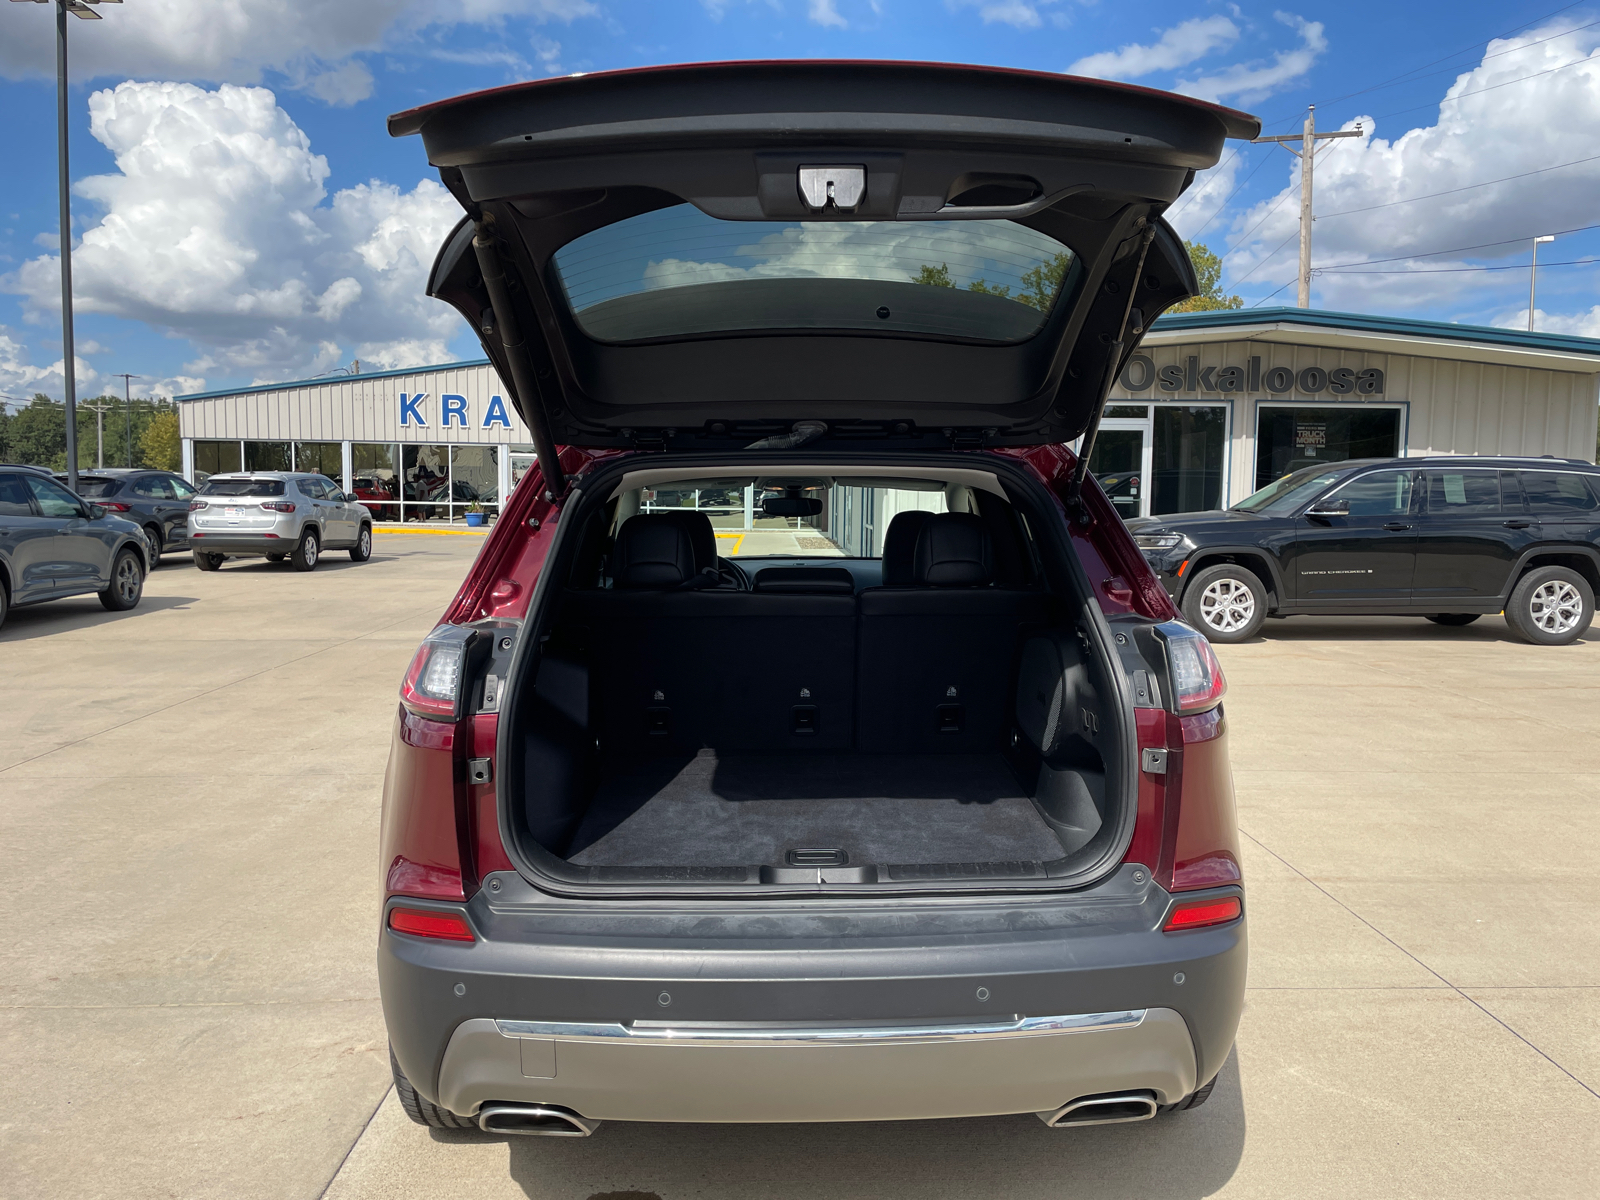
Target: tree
[[934, 276], [37, 434], [1208, 270], [160, 444]]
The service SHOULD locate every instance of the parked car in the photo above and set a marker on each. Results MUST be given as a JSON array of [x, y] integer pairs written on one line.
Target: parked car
[[943, 833], [1449, 539], [379, 494], [276, 515], [54, 544], [156, 500]]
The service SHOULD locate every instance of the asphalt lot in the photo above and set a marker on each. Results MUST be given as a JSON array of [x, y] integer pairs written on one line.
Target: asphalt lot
[[188, 831]]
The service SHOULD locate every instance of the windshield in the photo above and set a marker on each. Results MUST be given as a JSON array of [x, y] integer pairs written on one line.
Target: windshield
[[676, 271], [94, 489], [1283, 495], [242, 487]]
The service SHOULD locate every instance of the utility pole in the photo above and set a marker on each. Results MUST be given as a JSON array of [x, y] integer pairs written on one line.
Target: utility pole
[[128, 403], [100, 411], [1533, 273], [81, 10], [1307, 153]]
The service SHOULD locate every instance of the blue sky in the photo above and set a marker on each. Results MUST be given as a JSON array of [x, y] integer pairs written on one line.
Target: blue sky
[[245, 217]]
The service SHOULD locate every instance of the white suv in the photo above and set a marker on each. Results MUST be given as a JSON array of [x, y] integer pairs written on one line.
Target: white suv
[[278, 515]]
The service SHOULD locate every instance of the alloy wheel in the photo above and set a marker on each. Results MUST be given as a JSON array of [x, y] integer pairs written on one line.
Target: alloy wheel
[[129, 580], [1556, 607], [1227, 605]]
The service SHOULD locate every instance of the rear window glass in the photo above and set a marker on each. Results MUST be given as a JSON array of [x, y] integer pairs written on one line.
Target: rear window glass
[[676, 272], [242, 487], [94, 489], [1556, 492]]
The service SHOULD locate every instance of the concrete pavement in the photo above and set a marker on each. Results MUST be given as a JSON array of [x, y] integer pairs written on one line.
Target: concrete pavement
[[188, 830]]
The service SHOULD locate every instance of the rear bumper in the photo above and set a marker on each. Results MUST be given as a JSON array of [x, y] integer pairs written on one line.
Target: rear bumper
[[903, 1010], [233, 542]]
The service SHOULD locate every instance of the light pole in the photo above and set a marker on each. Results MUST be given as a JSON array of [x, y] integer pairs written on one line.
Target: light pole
[[81, 10], [128, 407], [1533, 274]]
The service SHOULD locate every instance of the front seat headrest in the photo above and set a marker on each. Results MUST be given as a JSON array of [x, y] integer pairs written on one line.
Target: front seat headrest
[[900, 547], [953, 551], [701, 536], [653, 550]]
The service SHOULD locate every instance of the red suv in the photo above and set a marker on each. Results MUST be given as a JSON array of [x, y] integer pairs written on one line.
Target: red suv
[[886, 783]]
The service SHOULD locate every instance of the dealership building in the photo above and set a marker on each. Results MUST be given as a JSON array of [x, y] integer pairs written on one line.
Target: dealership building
[[1213, 406]]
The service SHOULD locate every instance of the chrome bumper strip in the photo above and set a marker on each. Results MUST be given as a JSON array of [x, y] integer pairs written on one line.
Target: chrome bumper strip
[[777, 1033]]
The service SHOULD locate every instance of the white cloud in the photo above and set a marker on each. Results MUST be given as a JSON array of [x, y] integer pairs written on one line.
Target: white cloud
[[233, 41], [217, 228], [1192, 214], [826, 13], [1252, 81], [1491, 133], [1021, 14], [20, 379], [1177, 47]]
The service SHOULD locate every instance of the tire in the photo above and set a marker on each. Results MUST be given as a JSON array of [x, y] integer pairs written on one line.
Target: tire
[[127, 581], [362, 550], [208, 562], [152, 534], [1194, 1100], [1550, 606], [5, 604], [307, 551], [276, 557], [1453, 620], [418, 1109], [1227, 603]]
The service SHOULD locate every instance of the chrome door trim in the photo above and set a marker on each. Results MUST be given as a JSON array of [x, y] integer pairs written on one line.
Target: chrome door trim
[[774, 1033]]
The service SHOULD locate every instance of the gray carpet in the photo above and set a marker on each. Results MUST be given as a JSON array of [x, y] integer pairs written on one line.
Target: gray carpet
[[751, 809]]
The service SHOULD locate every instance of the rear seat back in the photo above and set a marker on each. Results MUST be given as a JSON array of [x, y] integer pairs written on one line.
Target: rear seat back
[[676, 669], [936, 659]]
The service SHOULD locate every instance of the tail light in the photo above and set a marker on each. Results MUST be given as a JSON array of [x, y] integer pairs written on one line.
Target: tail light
[[1186, 830], [278, 505], [434, 683], [113, 506], [1199, 914], [196, 505], [428, 923]]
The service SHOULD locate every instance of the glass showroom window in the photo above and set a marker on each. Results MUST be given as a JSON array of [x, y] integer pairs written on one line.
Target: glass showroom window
[[523, 460], [474, 479], [267, 456], [324, 458], [1289, 437], [214, 458], [375, 478], [425, 482], [1190, 443]]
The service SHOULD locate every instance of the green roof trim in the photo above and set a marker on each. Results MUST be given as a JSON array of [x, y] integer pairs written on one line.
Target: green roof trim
[[1398, 326], [332, 378]]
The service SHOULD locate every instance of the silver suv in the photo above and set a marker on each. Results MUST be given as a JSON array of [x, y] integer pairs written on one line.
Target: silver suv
[[279, 515]]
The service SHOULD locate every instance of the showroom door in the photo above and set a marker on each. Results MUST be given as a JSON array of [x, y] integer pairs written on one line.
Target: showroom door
[[1121, 462]]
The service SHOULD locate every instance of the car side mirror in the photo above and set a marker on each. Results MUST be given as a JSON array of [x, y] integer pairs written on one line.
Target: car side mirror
[[96, 511], [351, 498], [1329, 508]]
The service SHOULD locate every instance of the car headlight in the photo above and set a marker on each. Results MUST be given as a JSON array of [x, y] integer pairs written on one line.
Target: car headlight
[[1157, 541]]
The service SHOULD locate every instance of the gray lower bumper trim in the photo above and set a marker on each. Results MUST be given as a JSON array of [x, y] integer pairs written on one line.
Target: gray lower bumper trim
[[664, 1071]]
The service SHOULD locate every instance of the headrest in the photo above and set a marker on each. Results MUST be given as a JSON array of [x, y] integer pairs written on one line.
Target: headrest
[[900, 547], [806, 581], [701, 536], [953, 551], [653, 550]]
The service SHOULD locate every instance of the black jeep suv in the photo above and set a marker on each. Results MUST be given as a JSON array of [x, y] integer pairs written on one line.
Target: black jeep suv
[[1448, 539]]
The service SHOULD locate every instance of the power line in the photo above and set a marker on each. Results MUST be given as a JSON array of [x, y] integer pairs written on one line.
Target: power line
[[1371, 262], [1271, 294], [1571, 262], [1480, 91], [1264, 262], [1345, 212]]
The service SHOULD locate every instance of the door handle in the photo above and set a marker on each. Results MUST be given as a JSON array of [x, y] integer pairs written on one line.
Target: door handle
[[1397, 526], [1517, 524]]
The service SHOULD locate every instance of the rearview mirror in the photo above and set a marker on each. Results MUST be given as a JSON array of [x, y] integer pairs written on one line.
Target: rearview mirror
[[790, 506], [1329, 508]]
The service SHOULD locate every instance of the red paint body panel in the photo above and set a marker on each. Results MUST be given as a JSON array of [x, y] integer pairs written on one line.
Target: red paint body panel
[[424, 846]]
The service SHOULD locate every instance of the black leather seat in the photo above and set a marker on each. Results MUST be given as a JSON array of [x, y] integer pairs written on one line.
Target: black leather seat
[[676, 668], [936, 661], [899, 545]]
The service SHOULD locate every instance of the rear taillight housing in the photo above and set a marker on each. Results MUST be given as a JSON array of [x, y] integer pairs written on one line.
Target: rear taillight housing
[[434, 684], [1194, 676], [284, 506], [196, 505], [113, 506]]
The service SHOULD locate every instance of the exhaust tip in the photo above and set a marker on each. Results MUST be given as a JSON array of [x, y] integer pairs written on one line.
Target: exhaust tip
[[1114, 1109], [534, 1120]]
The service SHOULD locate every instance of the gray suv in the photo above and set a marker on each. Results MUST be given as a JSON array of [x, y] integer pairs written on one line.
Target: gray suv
[[277, 515], [54, 544]]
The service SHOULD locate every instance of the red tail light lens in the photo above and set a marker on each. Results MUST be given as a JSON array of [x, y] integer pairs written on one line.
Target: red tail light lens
[[278, 505], [113, 506], [1202, 913], [422, 922], [196, 505], [1195, 675]]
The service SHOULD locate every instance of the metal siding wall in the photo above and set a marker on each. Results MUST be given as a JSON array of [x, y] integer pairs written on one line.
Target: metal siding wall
[[356, 409]]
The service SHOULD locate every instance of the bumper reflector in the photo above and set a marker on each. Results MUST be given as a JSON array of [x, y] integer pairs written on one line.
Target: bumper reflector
[[1201, 913], [419, 922]]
